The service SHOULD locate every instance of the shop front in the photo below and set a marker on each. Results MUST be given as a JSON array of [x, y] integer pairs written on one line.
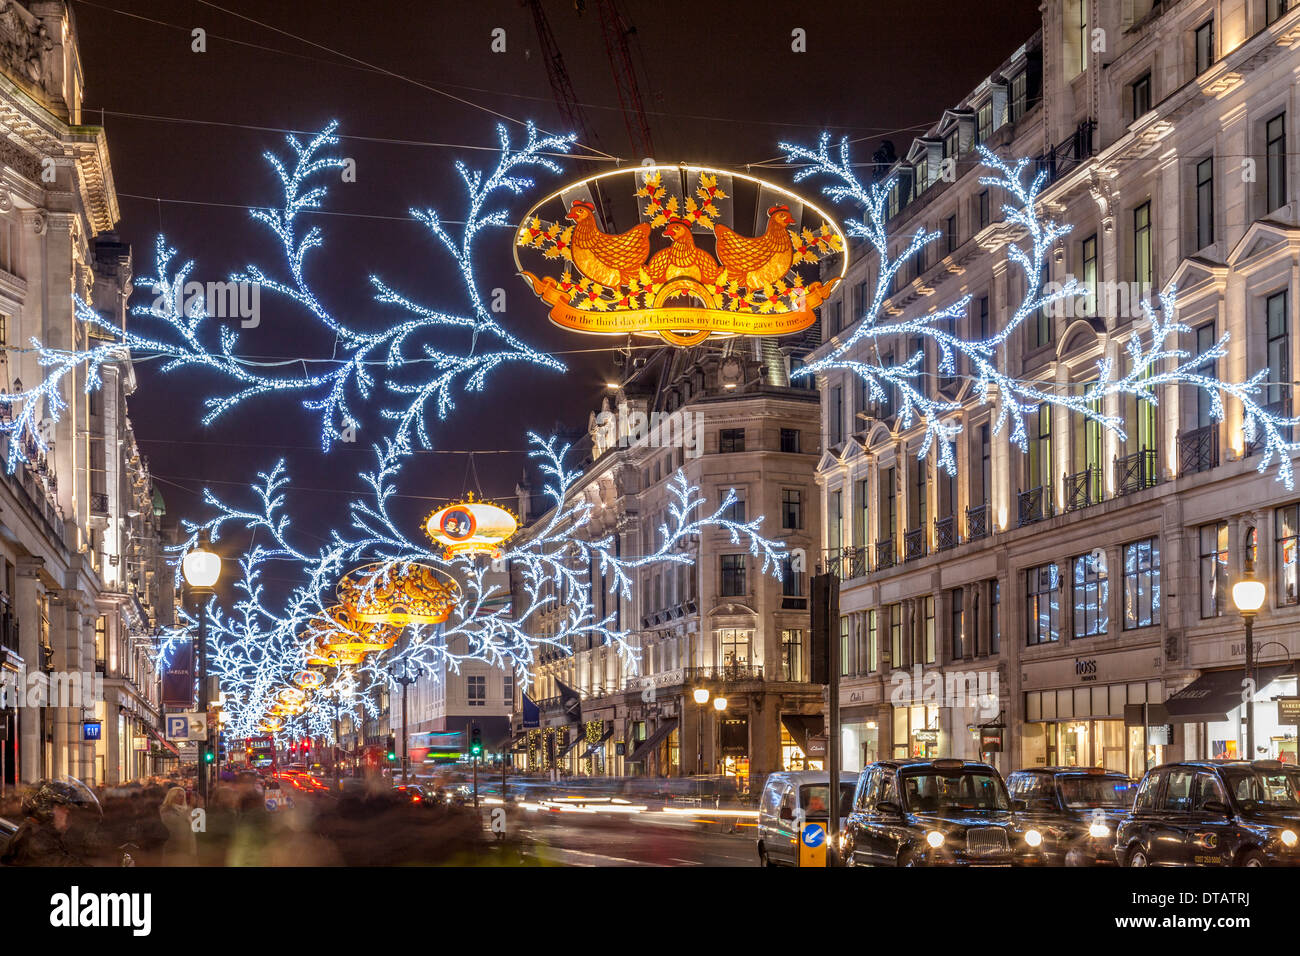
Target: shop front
[[860, 722], [916, 731], [1080, 712], [1212, 712]]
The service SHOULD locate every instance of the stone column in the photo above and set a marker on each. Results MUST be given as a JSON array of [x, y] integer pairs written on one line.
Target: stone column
[[27, 606]]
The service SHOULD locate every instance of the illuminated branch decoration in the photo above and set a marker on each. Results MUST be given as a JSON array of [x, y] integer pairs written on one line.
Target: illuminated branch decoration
[[1155, 360]]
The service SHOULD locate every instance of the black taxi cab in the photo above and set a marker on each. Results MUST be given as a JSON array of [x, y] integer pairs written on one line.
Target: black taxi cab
[[1077, 809], [1214, 813], [935, 812]]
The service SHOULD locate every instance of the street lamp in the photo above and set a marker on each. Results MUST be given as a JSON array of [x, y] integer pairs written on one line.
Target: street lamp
[[719, 704], [201, 567], [1248, 595], [701, 698]]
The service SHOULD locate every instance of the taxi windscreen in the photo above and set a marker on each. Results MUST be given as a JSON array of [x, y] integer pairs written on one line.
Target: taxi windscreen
[[1088, 792], [812, 797], [1263, 789], [939, 792]]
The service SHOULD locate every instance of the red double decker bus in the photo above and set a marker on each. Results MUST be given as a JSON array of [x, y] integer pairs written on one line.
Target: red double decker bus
[[260, 753]]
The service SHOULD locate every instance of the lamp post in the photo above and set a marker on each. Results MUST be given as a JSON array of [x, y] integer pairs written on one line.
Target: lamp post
[[402, 673], [1248, 595], [201, 567], [701, 698], [719, 705]]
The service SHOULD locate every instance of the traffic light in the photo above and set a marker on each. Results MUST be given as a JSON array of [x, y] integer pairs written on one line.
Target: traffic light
[[476, 743], [392, 748], [209, 756]]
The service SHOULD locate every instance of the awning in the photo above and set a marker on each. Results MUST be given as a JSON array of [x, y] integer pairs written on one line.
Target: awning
[[596, 745], [573, 742], [803, 726], [1212, 695], [517, 743], [644, 748], [162, 740]]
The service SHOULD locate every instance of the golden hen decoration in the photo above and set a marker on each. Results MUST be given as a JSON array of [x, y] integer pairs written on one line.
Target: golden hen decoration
[[608, 259], [683, 257], [761, 259]]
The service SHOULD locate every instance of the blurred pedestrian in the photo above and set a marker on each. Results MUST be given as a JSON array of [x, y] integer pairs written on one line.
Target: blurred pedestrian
[[180, 848]]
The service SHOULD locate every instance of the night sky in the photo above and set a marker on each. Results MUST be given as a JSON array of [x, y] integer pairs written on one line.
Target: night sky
[[721, 86]]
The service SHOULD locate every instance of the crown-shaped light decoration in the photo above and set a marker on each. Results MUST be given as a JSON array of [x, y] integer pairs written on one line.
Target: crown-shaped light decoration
[[397, 593], [337, 633], [471, 527], [308, 680]]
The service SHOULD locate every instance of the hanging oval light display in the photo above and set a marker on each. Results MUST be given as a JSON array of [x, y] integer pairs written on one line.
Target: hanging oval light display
[[471, 527], [397, 594], [308, 680], [337, 633]]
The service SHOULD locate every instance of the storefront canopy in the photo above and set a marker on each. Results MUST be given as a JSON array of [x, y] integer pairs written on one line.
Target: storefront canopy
[[803, 726], [645, 747], [1213, 695], [596, 745], [573, 742]]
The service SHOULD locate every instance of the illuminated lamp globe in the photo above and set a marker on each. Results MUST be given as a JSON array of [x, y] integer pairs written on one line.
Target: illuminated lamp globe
[[701, 695], [201, 567], [1248, 595], [719, 703]]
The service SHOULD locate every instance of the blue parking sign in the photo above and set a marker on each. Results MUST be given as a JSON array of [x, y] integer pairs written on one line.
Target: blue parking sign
[[178, 726]]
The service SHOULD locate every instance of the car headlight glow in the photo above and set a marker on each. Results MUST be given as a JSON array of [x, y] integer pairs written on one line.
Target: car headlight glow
[[1288, 838], [934, 838], [1099, 830], [1033, 837]]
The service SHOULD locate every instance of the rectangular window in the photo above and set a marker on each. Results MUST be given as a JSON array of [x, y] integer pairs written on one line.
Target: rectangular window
[[1040, 328], [918, 263], [835, 415], [1042, 604], [1204, 46], [873, 642], [859, 302], [790, 441], [733, 646], [1204, 203], [1088, 257], [1141, 95], [1142, 272], [862, 513], [1040, 449], [792, 654], [888, 514], [791, 509], [917, 505], [733, 575], [984, 122], [1214, 569], [982, 317], [736, 510], [950, 233], [1205, 340], [1275, 160], [835, 518], [982, 211], [844, 645], [476, 690], [984, 463], [1141, 584], [1278, 350], [1083, 35], [958, 625], [837, 317], [508, 687], [896, 635], [995, 619], [731, 440], [927, 632], [1287, 536], [791, 584], [1091, 597], [1017, 100], [1274, 10]]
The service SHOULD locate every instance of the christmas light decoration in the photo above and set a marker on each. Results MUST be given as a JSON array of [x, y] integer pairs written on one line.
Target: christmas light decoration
[[471, 527], [1155, 361]]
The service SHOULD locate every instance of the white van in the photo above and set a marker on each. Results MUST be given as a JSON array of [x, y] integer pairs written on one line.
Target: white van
[[791, 799]]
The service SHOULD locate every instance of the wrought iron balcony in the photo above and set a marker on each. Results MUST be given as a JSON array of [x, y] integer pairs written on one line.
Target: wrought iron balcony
[[945, 533], [914, 545], [977, 522], [1033, 505], [1280, 409], [846, 563], [1136, 471], [727, 673], [1198, 449], [884, 554], [98, 503], [1083, 488]]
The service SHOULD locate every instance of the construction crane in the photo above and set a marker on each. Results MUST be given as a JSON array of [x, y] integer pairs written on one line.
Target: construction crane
[[558, 76], [617, 31]]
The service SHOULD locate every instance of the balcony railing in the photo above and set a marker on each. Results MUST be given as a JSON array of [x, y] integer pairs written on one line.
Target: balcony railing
[[1069, 153], [98, 503], [945, 533], [914, 544], [1033, 505], [1280, 409], [977, 522], [884, 554], [726, 673], [1198, 449], [846, 563], [1083, 488], [1136, 471]]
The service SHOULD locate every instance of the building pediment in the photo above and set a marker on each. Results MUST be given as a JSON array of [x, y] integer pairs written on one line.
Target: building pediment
[[1263, 236], [1197, 275]]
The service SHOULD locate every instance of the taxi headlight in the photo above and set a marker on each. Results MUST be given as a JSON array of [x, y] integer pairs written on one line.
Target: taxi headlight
[[1098, 830], [934, 838], [1033, 838], [1288, 838]]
